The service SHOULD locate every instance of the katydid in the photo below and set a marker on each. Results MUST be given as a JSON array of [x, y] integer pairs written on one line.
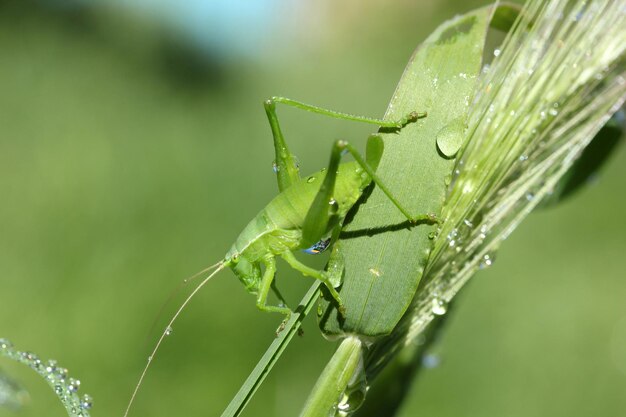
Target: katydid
[[309, 212], [307, 215]]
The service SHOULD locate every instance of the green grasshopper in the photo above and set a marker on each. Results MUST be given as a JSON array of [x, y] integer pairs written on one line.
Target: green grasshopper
[[309, 212]]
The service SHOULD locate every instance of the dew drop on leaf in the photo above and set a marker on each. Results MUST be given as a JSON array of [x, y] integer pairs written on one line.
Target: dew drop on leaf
[[450, 138], [439, 307], [486, 261], [430, 361]]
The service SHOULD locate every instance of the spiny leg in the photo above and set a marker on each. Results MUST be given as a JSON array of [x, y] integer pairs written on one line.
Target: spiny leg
[[264, 288], [285, 162], [318, 217], [375, 149], [314, 273], [411, 117]]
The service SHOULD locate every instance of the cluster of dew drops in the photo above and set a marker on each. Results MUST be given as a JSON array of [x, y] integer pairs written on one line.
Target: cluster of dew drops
[[65, 387], [455, 239]]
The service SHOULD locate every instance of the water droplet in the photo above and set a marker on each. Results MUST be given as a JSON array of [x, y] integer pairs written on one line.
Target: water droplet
[[310, 180], [430, 361], [530, 196], [150, 358], [452, 237], [275, 167], [352, 398], [5, 344], [60, 374], [168, 330], [553, 112], [523, 158], [439, 307], [496, 52], [86, 402], [73, 385], [486, 262], [432, 235], [51, 366], [332, 202], [468, 223], [450, 137], [296, 162], [483, 231], [463, 75], [447, 180]]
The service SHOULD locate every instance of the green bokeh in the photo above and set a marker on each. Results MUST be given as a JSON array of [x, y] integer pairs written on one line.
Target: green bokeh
[[123, 169]]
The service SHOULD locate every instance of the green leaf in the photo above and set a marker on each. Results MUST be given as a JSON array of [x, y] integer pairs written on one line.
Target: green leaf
[[439, 79], [332, 383]]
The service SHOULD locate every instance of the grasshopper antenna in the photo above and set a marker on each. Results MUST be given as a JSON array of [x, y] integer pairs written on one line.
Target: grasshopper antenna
[[219, 266], [174, 292]]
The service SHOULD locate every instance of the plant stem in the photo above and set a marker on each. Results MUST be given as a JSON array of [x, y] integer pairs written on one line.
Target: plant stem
[[334, 380]]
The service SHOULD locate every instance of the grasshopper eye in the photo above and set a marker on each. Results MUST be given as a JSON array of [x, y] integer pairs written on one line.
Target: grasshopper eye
[[318, 247]]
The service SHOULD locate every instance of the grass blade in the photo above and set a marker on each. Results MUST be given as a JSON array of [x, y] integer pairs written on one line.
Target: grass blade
[[64, 387], [271, 355]]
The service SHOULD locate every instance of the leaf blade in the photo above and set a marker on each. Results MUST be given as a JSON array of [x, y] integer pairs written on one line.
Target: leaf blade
[[377, 292]]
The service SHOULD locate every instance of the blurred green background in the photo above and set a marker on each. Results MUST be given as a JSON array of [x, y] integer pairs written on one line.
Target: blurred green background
[[133, 150]]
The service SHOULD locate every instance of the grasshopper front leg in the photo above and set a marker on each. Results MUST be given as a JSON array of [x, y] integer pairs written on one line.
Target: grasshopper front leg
[[264, 288], [375, 147], [318, 217]]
